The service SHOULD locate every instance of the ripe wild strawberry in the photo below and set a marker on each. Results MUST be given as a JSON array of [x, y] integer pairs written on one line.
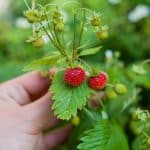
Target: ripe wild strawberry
[[74, 76], [98, 82]]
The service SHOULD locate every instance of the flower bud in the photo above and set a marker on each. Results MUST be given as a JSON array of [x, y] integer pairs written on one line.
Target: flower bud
[[95, 21], [56, 14], [34, 16]]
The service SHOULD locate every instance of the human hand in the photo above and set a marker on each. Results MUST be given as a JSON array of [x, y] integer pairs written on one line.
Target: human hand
[[25, 113]]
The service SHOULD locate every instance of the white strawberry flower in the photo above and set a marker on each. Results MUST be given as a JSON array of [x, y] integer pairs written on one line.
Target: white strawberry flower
[[138, 13], [4, 4], [114, 2], [108, 54], [21, 22]]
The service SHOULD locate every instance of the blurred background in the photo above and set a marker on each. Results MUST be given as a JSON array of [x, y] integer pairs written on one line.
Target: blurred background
[[129, 32], [129, 42]]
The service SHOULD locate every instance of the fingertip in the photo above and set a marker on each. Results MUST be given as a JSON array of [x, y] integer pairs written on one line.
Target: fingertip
[[35, 84], [58, 136]]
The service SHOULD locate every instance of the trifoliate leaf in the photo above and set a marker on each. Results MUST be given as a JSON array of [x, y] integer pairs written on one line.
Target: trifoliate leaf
[[67, 99], [104, 136], [90, 51], [43, 63]]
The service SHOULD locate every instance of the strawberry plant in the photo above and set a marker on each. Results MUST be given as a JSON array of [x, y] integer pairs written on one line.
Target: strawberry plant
[[93, 99]]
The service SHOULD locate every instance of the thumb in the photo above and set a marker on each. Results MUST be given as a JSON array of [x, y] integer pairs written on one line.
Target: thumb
[[39, 112]]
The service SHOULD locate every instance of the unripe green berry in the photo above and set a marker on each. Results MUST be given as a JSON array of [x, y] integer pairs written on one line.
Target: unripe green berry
[[59, 26], [38, 43], [121, 88], [102, 35], [135, 116], [75, 121], [111, 94]]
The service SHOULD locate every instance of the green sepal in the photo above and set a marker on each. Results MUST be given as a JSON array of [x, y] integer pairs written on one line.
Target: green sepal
[[90, 51], [43, 63]]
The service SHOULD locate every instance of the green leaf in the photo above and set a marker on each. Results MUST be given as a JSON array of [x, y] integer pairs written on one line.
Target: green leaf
[[140, 143], [67, 99], [43, 63], [104, 136], [142, 129], [90, 51]]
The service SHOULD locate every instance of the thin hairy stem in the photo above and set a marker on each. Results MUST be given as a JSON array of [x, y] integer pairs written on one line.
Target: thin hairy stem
[[51, 39], [27, 5], [34, 25], [82, 27], [74, 37], [59, 43], [146, 61]]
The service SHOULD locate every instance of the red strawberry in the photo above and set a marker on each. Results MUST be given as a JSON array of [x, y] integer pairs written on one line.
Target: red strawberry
[[98, 82], [74, 76]]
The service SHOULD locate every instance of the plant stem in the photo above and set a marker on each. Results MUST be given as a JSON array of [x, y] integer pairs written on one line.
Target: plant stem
[[110, 85], [88, 113], [82, 27], [26, 3], [74, 37], [88, 66], [34, 25], [59, 43], [52, 33], [146, 61], [55, 44], [33, 4], [57, 38]]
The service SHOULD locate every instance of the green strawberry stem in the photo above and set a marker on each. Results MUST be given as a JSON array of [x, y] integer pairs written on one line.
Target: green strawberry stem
[[54, 43], [74, 38], [49, 24], [87, 65], [82, 27], [27, 5], [62, 51], [89, 114], [34, 25], [55, 39], [146, 61], [54, 35], [110, 85], [58, 41]]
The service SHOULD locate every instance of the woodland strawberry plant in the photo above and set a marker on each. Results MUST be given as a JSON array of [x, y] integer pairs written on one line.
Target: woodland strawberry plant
[[92, 98]]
